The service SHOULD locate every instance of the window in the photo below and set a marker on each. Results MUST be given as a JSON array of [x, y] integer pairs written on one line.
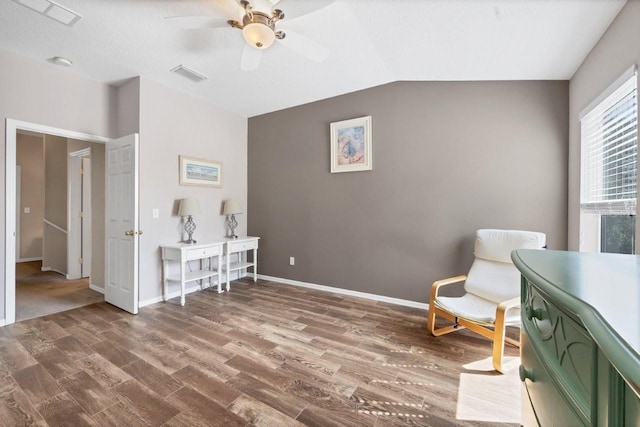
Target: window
[[609, 169]]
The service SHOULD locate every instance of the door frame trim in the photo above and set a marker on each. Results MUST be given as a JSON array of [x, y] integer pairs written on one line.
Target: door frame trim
[[11, 128]]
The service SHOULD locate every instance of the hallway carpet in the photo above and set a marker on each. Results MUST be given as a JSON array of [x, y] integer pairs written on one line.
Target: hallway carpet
[[39, 293]]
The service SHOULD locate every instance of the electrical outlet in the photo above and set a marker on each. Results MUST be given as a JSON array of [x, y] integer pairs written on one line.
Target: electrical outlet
[[27, 210], [155, 213], [292, 261]]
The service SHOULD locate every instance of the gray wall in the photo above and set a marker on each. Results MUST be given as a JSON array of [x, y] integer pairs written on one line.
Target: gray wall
[[54, 254], [30, 156], [615, 52], [449, 158]]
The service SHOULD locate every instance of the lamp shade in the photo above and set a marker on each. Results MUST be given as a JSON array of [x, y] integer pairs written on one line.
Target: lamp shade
[[231, 207], [188, 207]]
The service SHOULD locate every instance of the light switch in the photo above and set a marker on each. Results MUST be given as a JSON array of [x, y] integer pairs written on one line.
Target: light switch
[[155, 213], [27, 210]]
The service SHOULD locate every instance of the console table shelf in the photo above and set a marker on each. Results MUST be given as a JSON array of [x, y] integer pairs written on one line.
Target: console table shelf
[[220, 250], [191, 276]]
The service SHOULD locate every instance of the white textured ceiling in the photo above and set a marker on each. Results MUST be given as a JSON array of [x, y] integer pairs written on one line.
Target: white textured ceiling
[[371, 42]]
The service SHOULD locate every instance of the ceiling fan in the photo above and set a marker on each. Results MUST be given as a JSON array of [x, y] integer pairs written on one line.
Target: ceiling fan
[[260, 26]]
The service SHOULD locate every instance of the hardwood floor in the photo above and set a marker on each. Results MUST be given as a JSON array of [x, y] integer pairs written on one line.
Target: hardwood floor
[[264, 354]]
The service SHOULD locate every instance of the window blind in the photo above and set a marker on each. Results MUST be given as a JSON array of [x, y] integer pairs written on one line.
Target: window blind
[[609, 134]]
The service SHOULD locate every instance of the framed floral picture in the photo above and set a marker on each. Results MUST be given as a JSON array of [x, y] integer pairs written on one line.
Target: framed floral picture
[[351, 145], [200, 172]]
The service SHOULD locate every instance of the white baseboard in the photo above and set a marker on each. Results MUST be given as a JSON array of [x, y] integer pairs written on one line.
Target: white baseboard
[[96, 288], [3, 322], [374, 297], [171, 295], [54, 270], [30, 259]]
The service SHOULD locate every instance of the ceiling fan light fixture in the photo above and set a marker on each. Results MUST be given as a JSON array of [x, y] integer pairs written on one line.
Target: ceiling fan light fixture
[[258, 35]]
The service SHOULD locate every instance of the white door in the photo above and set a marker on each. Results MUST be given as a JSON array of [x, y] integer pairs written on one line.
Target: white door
[[122, 233], [87, 218]]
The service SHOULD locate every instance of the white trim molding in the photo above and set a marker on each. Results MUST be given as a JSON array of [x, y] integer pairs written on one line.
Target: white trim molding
[[11, 128], [38, 258], [96, 288], [374, 297]]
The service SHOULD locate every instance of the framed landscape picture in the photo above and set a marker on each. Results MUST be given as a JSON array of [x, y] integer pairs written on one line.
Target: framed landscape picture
[[351, 145], [200, 172]]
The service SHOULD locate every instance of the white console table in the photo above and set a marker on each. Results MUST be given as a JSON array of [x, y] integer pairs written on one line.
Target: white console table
[[240, 245], [183, 253]]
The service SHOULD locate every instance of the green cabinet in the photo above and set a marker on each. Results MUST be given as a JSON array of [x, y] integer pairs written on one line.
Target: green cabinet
[[580, 338]]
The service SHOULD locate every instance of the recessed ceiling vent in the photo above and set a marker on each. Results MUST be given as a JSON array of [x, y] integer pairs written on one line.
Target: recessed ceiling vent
[[52, 10], [194, 76]]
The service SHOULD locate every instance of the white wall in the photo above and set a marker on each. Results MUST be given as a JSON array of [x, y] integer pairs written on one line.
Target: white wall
[[42, 93], [169, 124], [614, 53], [172, 124]]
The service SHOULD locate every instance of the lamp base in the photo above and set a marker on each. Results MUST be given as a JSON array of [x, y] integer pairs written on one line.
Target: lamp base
[[189, 242], [233, 236]]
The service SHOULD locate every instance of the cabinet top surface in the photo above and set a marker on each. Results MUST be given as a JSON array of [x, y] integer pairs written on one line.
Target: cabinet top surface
[[603, 289], [209, 242]]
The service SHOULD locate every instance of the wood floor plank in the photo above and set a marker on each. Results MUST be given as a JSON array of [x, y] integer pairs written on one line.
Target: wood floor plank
[[152, 377], [14, 357], [284, 402], [103, 371], [215, 389], [57, 363], [203, 411], [63, 411], [37, 383], [15, 407], [89, 394], [72, 347], [148, 405], [114, 353]]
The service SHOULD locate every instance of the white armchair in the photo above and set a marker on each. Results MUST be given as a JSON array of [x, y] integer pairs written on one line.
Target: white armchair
[[492, 286]]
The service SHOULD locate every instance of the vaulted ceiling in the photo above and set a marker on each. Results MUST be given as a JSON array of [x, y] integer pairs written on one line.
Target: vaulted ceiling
[[371, 42]]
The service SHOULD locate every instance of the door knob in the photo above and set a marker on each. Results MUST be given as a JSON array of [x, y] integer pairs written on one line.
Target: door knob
[[139, 232], [128, 233]]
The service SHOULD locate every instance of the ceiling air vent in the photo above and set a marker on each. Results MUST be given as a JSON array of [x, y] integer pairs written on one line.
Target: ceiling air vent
[[52, 10], [194, 76]]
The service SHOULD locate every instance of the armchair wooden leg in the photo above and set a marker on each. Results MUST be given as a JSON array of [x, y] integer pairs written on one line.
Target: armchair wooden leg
[[499, 338], [498, 345]]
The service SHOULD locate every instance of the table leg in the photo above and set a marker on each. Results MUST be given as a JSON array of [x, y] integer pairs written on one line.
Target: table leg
[[165, 280], [183, 277], [255, 265], [228, 256]]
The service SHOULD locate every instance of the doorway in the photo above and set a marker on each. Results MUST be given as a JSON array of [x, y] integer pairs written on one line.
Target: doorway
[[12, 128], [54, 223]]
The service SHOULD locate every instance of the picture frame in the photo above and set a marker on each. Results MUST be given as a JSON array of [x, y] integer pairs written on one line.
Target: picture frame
[[200, 172], [351, 145]]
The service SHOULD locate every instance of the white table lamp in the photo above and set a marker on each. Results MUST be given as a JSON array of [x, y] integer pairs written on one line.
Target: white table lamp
[[188, 208], [231, 208]]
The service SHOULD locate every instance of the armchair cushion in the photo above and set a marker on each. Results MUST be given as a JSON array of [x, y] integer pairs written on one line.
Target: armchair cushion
[[496, 245], [493, 281], [476, 309]]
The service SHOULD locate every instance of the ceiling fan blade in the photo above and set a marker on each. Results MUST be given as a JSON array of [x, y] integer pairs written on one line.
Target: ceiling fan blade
[[250, 59], [196, 22], [297, 8], [304, 46]]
